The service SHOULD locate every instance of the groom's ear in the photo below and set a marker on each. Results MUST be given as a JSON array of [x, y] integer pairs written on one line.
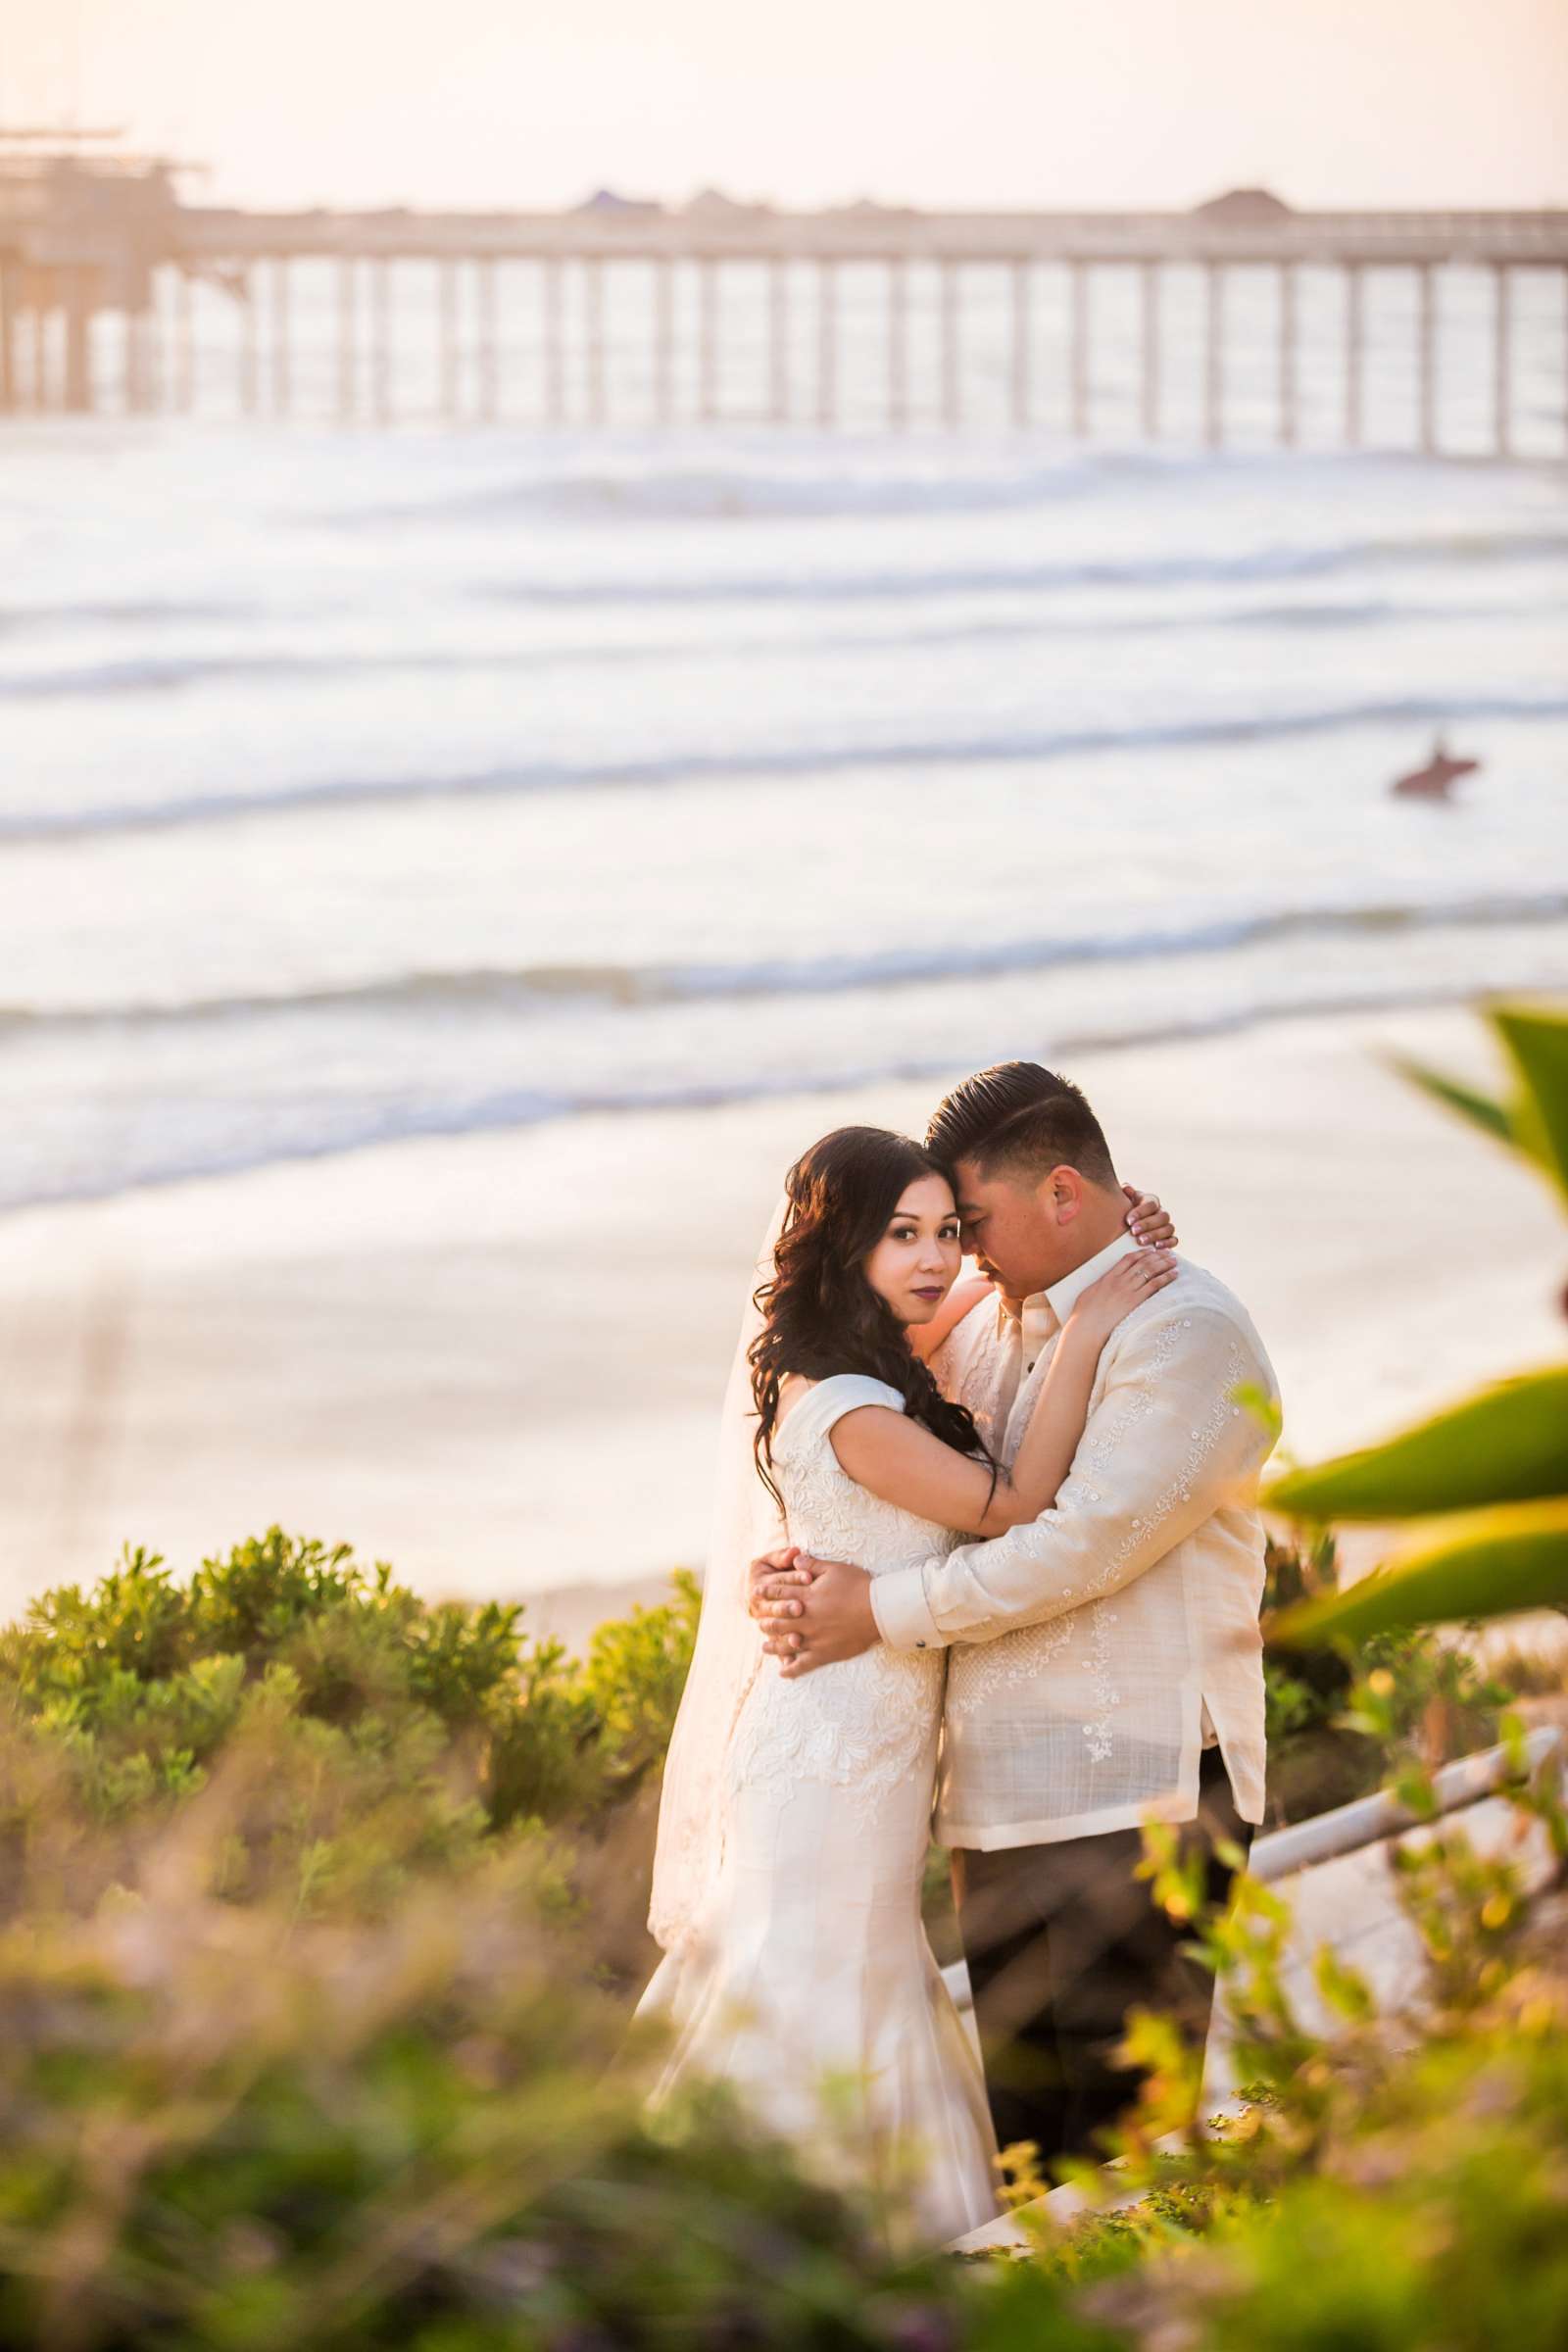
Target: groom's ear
[[1061, 1195]]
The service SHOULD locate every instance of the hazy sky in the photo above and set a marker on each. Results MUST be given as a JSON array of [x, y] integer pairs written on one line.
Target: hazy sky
[[968, 102]]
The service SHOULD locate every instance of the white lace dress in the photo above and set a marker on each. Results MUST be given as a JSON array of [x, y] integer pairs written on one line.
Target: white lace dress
[[813, 1987]]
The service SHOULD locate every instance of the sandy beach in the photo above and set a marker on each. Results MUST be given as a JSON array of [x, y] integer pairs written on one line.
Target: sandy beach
[[496, 1362]]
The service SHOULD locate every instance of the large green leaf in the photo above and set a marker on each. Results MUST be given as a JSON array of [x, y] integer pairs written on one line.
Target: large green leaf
[[1537, 1037], [1493, 1117], [1487, 1564], [1507, 1443]]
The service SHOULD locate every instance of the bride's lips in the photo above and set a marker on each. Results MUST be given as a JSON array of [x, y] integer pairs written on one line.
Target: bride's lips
[[934, 1291]]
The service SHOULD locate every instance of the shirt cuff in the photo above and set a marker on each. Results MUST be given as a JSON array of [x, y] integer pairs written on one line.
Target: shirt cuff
[[902, 1614]]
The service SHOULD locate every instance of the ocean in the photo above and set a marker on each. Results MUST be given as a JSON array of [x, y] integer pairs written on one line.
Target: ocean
[[360, 786]]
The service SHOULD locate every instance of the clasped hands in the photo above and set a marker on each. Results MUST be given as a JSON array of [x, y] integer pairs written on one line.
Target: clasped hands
[[812, 1612]]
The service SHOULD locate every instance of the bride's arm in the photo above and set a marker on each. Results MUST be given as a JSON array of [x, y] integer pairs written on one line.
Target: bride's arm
[[906, 1464]]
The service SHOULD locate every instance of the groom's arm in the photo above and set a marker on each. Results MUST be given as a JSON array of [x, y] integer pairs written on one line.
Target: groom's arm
[[1165, 1445]]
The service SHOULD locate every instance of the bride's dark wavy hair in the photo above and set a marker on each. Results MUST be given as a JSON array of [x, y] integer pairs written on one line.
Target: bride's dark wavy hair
[[819, 1313]]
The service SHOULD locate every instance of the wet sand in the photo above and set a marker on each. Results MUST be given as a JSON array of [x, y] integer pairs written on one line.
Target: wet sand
[[496, 1362]]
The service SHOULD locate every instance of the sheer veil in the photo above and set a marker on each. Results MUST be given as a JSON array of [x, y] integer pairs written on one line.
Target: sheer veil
[[729, 1655]]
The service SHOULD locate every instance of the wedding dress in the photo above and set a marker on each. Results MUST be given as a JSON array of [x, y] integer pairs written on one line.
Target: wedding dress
[[804, 1978]]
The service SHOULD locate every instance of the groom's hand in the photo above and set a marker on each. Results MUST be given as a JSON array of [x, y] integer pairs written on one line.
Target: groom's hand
[[818, 1623]]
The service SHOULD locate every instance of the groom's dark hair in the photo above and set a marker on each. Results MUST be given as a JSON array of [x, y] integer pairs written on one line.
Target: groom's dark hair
[[1021, 1120]]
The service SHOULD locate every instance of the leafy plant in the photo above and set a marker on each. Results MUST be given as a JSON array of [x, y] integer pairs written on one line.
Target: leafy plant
[[1491, 1472]]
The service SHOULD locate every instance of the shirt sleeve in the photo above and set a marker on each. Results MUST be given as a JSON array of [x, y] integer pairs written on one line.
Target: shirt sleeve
[[1166, 1445]]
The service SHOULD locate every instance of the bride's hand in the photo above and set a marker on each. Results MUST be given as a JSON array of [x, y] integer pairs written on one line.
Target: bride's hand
[[1147, 1221], [1131, 1280]]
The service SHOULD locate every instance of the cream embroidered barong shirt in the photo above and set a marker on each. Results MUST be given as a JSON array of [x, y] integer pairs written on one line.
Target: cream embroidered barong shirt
[[1092, 1648]]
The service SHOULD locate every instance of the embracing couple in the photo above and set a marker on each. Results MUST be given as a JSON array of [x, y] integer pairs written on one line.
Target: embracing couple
[[999, 1538]]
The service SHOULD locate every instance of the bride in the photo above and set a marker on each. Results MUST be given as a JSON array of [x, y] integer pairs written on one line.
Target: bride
[[795, 1819]]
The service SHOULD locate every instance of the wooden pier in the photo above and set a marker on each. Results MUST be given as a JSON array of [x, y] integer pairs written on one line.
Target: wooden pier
[[65, 260]]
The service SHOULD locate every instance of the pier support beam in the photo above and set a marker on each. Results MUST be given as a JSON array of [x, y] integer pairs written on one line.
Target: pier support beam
[[1149, 346], [952, 392], [382, 339], [10, 381], [448, 304], [593, 302], [554, 355], [708, 338], [489, 353], [898, 343], [249, 358], [1078, 347], [1022, 283], [1290, 423], [348, 357], [39, 321], [1214, 354], [1354, 352], [1502, 359], [827, 342], [1427, 357], [182, 390], [664, 340], [281, 387], [78, 292], [778, 340]]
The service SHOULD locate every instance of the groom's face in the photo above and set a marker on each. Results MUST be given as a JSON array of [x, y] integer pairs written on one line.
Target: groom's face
[[1023, 1236]]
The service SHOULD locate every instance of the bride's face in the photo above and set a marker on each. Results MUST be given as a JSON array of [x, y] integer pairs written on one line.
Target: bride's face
[[915, 1263]]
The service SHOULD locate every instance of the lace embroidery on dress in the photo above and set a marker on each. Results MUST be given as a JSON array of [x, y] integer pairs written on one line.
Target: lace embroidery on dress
[[864, 1724]]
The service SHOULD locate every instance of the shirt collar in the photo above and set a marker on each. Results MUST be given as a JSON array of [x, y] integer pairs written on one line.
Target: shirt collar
[[1063, 1295], [1044, 1311]]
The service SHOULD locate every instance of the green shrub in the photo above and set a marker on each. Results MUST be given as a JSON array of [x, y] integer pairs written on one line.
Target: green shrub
[[347, 1731]]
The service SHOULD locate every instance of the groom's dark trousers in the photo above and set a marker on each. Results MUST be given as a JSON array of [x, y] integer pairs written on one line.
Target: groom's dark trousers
[[1062, 1941]]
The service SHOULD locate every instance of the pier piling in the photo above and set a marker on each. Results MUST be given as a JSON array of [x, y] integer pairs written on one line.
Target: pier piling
[[1355, 349], [1022, 283], [1149, 346], [1290, 422], [827, 353], [1078, 346], [898, 343]]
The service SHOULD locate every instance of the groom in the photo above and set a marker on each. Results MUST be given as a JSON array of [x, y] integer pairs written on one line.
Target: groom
[[1105, 1664]]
